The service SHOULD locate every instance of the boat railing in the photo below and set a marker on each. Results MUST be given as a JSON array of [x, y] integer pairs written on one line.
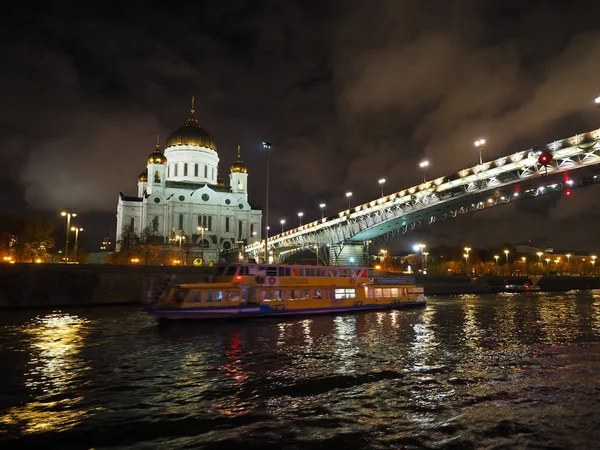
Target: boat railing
[[394, 280]]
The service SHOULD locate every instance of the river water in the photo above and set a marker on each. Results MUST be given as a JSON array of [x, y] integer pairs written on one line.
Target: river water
[[492, 371]]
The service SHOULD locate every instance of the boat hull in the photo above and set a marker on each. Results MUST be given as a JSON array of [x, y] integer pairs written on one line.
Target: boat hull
[[266, 311]]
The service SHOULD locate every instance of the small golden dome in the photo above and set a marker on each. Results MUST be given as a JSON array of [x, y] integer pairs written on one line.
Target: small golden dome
[[157, 157], [238, 165], [143, 178], [192, 134]]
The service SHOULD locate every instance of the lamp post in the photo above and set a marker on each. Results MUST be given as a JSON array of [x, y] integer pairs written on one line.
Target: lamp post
[[593, 263], [300, 214], [467, 249], [506, 252], [420, 247], [424, 165], [322, 207], [524, 259], [201, 230], [267, 147], [381, 184], [466, 256], [425, 255], [383, 255], [479, 145], [76, 248], [568, 255], [496, 257], [68, 214], [348, 196], [282, 222], [539, 254], [253, 236]]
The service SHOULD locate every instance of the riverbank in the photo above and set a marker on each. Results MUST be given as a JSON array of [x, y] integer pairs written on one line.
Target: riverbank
[[53, 285]]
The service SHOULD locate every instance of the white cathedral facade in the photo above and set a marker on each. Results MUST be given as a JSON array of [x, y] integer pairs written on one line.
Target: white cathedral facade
[[182, 199]]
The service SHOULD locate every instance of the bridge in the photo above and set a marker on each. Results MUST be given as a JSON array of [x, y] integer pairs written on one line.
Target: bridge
[[522, 175]]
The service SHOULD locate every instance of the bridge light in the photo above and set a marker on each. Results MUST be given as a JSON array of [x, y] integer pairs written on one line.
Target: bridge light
[[545, 158], [597, 101], [516, 194], [568, 192]]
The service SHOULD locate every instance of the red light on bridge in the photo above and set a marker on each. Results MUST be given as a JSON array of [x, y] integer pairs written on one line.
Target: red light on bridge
[[568, 192], [545, 158]]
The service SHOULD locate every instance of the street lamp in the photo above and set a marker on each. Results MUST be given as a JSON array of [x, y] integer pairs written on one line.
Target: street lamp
[[381, 184], [282, 222], [425, 254], [524, 259], [348, 196], [267, 147], [506, 252], [300, 214], [466, 256], [68, 214], [76, 230], [496, 257], [254, 236], [479, 144], [322, 206], [593, 261], [468, 249], [539, 254], [418, 247], [383, 255], [201, 230], [424, 165]]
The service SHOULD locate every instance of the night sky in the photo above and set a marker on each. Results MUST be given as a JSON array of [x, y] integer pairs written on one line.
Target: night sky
[[347, 91]]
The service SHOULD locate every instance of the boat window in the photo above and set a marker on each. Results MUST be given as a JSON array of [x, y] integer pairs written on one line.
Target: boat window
[[300, 271], [231, 296], [318, 294], [294, 272], [292, 295], [264, 295], [194, 296], [278, 295], [370, 292], [395, 292], [305, 294], [221, 270], [344, 293], [377, 292], [386, 292], [244, 296], [231, 270], [284, 271], [180, 295], [214, 296], [271, 271]]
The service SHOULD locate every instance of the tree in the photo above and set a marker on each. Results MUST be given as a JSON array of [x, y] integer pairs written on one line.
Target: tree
[[34, 240]]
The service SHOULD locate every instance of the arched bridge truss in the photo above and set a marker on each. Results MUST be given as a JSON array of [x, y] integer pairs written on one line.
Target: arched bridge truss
[[501, 181]]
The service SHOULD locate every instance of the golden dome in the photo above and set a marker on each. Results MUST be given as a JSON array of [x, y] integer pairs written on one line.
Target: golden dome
[[238, 165], [192, 134], [143, 178], [157, 157]]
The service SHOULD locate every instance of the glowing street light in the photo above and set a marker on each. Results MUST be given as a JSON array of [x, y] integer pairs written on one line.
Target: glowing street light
[[466, 256], [322, 207], [496, 257], [300, 214], [593, 260], [381, 184], [479, 145], [383, 255], [68, 214], [424, 165], [539, 254], [282, 222], [76, 248], [467, 249], [506, 252], [267, 147], [348, 196], [420, 247]]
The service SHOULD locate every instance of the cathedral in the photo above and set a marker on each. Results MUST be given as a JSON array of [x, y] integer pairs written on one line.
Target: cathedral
[[182, 199]]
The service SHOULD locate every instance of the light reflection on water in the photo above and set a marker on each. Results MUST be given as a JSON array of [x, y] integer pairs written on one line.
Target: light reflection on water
[[414, 377], [54, 367]]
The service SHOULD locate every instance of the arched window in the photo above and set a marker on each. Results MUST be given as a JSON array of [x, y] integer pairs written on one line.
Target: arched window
[[205, 171], [155, 224], [199, 220], [196, 170], [227, 224], [131, 224], [209, 227], [175, 169], [251, 229], [226, 245], [168, 170], [157, 176], [181, 221], [240, 229], [185, 167]]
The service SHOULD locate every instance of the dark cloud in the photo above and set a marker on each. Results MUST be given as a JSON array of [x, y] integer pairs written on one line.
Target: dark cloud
[[347, 91]]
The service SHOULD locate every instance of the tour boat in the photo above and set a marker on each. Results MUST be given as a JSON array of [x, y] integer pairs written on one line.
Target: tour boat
[[267, 290], [521, 287]]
